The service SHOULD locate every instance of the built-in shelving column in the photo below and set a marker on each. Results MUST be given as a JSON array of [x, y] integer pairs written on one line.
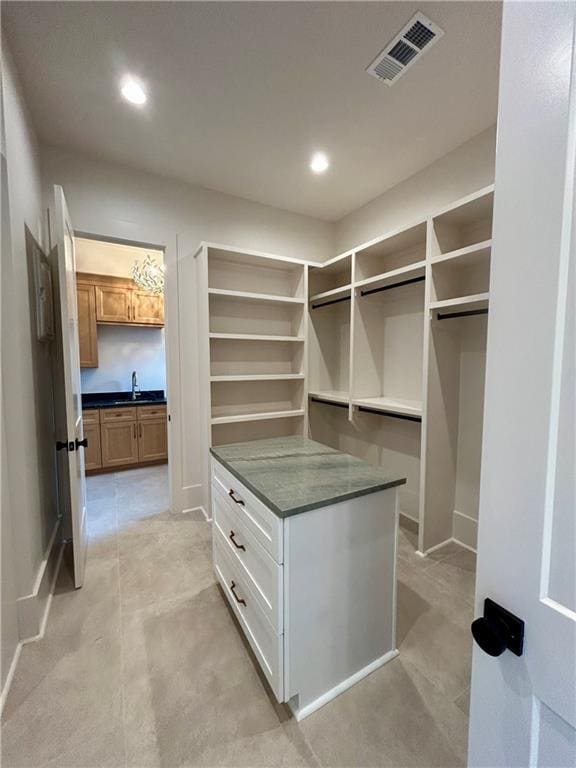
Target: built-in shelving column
[[457, 300]]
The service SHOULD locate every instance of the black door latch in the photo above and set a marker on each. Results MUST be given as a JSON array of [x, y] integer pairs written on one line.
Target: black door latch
[[83, 443], [65, 445], [498, 630]]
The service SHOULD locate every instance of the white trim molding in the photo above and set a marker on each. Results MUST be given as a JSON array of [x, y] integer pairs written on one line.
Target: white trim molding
[[465, 530]]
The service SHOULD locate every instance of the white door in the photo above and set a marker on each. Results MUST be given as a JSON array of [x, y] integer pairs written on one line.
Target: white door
[[68, 397], [523, 708]]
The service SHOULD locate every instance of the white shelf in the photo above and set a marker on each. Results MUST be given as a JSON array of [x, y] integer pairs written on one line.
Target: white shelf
[[343, 292], [254, 337], [330, 396], [391, 405], [249, 296], [412, 271], [468, 255], [256, 417], [259, 377], [465, 303]]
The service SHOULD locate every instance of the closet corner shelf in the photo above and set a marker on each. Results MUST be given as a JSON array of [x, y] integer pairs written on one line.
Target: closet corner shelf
[[471, 303], [256, 417], [254, 337], [258, 377], [343, 292], [469, 255], [410, 272], [330, 396], [390, 405], [258, 297]]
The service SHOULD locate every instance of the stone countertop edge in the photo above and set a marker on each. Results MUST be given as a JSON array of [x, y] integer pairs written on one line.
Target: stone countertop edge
[[313, 505], [129, 403]]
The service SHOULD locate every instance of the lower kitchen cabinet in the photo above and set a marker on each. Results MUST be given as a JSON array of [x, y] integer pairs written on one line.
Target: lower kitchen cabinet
[[152, 440], [93, 453], [125, 437], [119, 443]]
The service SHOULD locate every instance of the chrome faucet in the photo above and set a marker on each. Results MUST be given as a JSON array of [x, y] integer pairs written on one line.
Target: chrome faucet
[[135, 387]]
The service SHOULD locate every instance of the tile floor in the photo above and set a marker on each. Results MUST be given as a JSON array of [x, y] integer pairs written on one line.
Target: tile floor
[[144, 665]]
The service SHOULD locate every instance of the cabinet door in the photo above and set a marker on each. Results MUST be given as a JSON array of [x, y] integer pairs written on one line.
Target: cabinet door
[[152, 440], [93, 453], [119, 443], [113, 304], [87, 333], [147, 308]]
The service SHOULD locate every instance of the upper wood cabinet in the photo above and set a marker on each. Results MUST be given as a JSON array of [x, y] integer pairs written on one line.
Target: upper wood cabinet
[[147, 308], [113, 304], [118, 301], [87, 335]]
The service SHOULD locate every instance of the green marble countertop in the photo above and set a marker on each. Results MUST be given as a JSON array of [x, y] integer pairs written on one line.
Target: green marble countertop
[[293, 474]]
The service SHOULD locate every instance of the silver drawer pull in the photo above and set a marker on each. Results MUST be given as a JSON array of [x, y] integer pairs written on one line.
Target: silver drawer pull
[[238, 599], [233, 540], [233, 497]]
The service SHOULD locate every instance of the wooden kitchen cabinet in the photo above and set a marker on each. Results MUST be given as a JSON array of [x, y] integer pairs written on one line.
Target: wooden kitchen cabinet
[[152, 440], [113, 304], [119, 443], [125, 436], [147, 308], [87, 333]]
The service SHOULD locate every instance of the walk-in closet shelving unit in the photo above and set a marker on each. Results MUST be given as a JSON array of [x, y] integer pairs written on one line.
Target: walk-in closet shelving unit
[[396, 361], [253, 312]]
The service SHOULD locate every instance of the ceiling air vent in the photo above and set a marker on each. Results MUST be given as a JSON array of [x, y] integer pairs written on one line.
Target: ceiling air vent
[[418, 36]]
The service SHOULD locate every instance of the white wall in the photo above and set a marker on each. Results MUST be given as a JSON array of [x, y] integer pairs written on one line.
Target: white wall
[[120, 203], [121, 350], [460, 172], [104, 258], [29, 511]]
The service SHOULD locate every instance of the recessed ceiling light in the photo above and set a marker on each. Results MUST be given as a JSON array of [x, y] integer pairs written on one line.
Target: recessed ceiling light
[[319, 162], [133, 91]]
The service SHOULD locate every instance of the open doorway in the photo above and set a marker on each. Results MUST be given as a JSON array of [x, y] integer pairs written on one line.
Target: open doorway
[[120, 296]]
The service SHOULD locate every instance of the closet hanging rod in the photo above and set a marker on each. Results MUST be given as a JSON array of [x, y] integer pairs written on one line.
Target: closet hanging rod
[[333, 301], [394, 285], [328, 402], [390, 414], [468, 313]]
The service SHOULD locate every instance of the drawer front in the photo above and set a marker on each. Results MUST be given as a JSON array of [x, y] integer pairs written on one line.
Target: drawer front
[[266, 644], [91, 416], [263, 573], [261, 521], [146, 412], [117, 414]]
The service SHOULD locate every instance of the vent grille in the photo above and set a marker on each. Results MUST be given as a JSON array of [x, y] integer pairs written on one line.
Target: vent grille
[[418, 36]]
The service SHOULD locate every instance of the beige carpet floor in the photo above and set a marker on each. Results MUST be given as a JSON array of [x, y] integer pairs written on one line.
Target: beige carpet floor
[[144, 666]]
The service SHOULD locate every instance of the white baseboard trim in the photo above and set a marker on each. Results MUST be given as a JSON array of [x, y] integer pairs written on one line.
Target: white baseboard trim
[[434, 548], [301, 712], [31, 608], [410, 518], [195, 509], [465, 530], [43, 623]]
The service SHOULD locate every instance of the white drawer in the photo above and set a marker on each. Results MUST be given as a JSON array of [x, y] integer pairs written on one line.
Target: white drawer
[[260, 520], [266, 644], [264, 573]]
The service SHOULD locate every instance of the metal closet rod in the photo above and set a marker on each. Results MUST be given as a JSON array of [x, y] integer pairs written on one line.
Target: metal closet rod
[[333, 301], [390, 415], [328, 402], [394, 285], [469, 313]]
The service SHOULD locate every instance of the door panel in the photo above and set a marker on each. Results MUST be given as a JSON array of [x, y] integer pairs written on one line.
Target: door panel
[[68, 394], [147, 308], [152, 440], [87, 330], [119, 443], [523, 710], [113, 304]]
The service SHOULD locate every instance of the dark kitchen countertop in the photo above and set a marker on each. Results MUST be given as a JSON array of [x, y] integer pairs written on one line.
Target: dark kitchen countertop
[[293, 474], [93, 400]]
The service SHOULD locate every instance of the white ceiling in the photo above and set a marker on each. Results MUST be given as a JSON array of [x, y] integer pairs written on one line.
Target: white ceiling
[[242, 93]]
